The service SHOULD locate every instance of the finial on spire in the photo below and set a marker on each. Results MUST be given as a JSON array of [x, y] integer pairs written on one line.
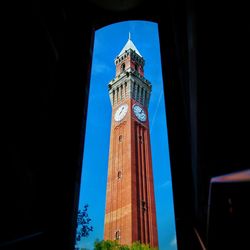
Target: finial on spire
[[129, 36]]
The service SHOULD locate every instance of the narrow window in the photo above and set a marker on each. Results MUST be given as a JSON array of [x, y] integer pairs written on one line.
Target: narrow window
[[136, 67], [119, 174], [120, 138], [125, 89], [134, 88], [122, 67], [138, 92], [117, 235], [121, 91], [145, 97], [140, 139], [141, 97]]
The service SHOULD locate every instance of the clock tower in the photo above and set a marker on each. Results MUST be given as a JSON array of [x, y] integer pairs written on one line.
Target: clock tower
[[130, 204]]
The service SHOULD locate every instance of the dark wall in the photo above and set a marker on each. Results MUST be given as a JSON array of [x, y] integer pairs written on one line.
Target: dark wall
[[223, 103]]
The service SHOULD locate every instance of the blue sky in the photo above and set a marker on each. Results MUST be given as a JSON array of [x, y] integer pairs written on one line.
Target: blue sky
[[108, 43]]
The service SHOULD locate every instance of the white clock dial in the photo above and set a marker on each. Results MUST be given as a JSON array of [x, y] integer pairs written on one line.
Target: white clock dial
[[139, 113], [121, 112]]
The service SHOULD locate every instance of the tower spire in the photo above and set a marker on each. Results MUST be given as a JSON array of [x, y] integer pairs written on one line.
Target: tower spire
[[129, 45]]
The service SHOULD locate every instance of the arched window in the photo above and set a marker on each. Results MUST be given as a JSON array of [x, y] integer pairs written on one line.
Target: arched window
[[136, 67], [120, 138], [123, 67], [142, 96], [119, 174], [125, 89], [121, 91], [117, 235], [117, 95], [140, 139], [144, 205], [134, 88], [138, 92], [113, 97]]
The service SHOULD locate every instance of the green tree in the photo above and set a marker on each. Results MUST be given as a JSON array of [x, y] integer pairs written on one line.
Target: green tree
[[114, 245], [83, 221], [139, 246], [109, 245]]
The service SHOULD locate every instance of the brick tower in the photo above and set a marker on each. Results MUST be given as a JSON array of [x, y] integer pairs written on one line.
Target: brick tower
[[130, 204]]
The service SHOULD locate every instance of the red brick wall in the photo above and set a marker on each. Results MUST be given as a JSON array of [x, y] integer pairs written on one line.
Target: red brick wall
[[131, 156], [128, 63]]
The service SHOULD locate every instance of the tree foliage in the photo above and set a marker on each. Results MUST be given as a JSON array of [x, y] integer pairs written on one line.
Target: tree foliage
[[138, 246], [114, 245], [83, 221]]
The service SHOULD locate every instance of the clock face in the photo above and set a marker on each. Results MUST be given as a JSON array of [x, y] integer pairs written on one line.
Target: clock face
[[121, 112], [139, 113]]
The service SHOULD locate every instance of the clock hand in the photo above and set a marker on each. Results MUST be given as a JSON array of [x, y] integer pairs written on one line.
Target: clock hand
[[121, 110]]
